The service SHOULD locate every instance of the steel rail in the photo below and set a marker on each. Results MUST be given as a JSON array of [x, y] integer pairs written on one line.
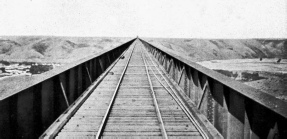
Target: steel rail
[[64, 118], [183, 107], [179, 101], [103, 123], [250, 94], [155, 100]]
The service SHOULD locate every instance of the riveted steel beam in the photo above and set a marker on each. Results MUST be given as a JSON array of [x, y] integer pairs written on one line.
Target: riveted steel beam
[[235, 109]]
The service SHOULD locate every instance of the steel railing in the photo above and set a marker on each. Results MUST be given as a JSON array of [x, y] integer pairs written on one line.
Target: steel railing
[[29, 109], [234, 109]]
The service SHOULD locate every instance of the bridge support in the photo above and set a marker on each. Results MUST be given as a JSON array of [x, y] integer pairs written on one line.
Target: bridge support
[[29, 111], [234, 109]]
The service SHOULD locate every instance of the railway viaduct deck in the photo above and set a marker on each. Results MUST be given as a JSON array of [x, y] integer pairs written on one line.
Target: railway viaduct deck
[[139, 90]]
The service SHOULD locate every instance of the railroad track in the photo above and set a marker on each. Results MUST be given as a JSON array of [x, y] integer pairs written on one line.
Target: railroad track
[[133, 100]]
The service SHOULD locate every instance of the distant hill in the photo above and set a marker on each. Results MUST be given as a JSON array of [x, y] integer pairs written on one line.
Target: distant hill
[[69, 49], [53, 49], [221, 49], [267, 76]]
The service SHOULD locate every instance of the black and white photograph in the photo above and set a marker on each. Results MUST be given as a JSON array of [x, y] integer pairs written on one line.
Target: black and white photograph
[[143, 69]]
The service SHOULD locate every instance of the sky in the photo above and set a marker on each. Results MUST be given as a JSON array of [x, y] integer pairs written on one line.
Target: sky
[[145, 18]]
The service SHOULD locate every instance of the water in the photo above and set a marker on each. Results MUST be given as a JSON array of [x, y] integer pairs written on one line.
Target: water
[[24, 68]]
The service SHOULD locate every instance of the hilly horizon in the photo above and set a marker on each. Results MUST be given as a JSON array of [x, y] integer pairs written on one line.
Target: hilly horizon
[[67, 49], [239, 59], [63, 50], [223, 49], [53, 49]]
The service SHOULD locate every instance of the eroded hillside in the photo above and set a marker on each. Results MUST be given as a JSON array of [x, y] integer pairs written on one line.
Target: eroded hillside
[[239, 59], [222, 49], [53, 49]]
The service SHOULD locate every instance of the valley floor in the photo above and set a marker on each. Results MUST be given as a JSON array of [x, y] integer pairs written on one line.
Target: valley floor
[[266, 75]]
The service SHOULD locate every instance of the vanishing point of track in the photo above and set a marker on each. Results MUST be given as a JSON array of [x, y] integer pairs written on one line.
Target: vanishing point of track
[[134, 99]]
